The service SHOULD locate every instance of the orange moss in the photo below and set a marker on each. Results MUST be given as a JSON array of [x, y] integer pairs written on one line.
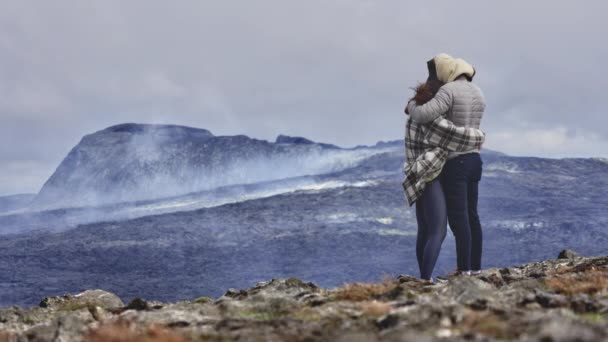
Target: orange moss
[[563, 269], [589, 282], [487, 324], [6, 336], [364, 291], [375, 308], [123, 331]]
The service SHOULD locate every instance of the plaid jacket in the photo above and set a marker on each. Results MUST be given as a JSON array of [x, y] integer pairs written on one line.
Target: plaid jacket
[[427, 147]]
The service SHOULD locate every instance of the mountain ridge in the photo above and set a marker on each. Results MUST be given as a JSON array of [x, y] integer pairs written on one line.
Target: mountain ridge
[[143, 161]]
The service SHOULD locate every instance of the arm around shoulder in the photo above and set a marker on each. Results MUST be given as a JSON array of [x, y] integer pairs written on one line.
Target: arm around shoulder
[[444, 134], [433, 109]]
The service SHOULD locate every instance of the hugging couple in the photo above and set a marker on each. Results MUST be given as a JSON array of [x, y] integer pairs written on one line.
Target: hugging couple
[[443, 167]]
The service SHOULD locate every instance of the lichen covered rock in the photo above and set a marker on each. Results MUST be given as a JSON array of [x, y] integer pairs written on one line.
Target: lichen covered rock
[[555, 300], [89, 298]]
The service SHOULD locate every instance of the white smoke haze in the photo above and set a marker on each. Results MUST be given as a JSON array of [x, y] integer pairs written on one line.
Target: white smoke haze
[[36, 218], [193, 202], [170, 169], [167, 161], [550, 142]]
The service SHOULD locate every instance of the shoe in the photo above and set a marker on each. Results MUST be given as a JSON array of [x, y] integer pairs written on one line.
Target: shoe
[[425, 282], [429, 282], [477, 272], [449, 276]]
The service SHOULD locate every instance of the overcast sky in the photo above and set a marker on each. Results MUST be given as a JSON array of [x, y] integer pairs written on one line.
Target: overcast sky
[[333, 71]]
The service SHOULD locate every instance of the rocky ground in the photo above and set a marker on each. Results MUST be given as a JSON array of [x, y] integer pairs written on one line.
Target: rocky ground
[[565, 299]]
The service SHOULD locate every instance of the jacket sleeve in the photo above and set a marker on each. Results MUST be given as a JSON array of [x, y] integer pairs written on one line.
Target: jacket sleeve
[[431, 110], [444, 134]]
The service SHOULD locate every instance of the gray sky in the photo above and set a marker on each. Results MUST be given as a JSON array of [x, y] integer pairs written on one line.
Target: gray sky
[[333, 71]]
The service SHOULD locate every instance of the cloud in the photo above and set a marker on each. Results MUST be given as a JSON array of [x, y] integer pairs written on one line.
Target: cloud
[[23, 176], [333, 71], [550, 142]]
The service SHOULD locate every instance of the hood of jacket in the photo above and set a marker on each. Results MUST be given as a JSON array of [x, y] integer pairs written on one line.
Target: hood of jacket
[[449, 68]]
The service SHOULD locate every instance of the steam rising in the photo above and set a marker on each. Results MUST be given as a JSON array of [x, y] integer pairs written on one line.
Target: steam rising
[[130, 170], [132, 162]]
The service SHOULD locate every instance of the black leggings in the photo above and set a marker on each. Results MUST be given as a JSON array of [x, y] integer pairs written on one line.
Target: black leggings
[[431, 214], [460, 179]]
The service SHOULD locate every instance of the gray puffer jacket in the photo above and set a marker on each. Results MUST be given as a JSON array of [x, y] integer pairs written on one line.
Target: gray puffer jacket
[[461, 101]]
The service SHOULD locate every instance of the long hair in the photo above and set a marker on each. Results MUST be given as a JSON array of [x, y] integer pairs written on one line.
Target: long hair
[[424, 92]]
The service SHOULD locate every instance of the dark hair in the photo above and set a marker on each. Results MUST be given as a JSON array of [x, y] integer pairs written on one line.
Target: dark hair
[[424, 92]]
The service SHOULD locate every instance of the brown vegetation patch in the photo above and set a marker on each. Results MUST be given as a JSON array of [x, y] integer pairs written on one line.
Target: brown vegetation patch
[[375, 308], [592, 264], [6, 336], [487, 324], [563, 269], [306, 314], [123, 331], [358, 292], [590, 282]]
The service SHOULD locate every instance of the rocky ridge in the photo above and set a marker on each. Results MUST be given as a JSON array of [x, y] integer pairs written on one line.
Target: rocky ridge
[[554, 300], [132, 162]]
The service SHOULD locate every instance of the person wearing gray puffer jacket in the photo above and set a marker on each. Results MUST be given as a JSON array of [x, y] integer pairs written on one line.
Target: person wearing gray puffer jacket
[[460, 99], [461, 102]]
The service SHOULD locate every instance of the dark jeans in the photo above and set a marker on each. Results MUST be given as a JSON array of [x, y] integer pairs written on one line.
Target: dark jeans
[[460, 179], [432, 227]]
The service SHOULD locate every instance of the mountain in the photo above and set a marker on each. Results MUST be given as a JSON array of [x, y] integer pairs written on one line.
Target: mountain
[[130, 162], [285, 139], [561, 299]]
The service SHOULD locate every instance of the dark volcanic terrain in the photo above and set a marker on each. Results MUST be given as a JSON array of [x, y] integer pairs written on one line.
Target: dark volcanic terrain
[[348, 222]]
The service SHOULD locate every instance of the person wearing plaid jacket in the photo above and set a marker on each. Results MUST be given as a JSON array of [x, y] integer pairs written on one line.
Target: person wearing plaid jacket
[[427, 148]]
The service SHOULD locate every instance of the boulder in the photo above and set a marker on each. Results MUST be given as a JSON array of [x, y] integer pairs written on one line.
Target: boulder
[[88, 298], [567, 254]]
